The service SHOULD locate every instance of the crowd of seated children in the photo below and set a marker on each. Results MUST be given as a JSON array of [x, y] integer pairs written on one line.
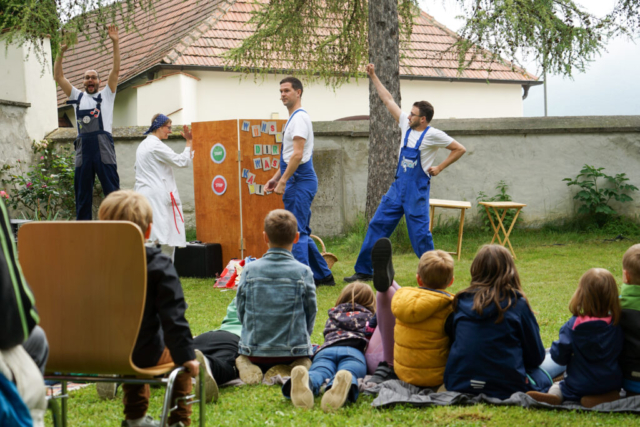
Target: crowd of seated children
[[340, 360]]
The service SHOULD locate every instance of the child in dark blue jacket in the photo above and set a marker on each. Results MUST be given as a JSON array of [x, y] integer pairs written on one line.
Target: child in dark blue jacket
[[496, 347], [590, 344]]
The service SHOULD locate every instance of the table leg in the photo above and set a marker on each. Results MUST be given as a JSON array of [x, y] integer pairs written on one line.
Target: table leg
[[460, 233], [500, 223], [432, 209], [495, 229], [509, 232]]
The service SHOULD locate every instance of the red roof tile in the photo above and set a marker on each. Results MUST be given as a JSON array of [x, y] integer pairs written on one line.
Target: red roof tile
[[198, 33]]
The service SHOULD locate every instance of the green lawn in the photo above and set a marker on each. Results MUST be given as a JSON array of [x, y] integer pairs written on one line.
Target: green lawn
[[550, 265]]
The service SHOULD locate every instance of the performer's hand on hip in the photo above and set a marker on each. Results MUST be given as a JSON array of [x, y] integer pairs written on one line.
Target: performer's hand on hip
[[434, 170], [280, 187], [371, 70], [113, 33]]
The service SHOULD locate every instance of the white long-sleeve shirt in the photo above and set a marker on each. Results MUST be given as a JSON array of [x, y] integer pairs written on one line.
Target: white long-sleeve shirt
[[155, 180]]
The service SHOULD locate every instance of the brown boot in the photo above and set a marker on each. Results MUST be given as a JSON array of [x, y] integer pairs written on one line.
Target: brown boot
[[551, 399], [597, 399]]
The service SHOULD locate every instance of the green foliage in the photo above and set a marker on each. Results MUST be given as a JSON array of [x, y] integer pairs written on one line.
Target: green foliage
[[500, 196], [595, 199]]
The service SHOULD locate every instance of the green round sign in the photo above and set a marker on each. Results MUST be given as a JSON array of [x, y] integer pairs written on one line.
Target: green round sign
[[218, 153]]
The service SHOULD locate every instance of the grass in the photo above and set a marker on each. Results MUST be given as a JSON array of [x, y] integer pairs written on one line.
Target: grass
[[550, 262]]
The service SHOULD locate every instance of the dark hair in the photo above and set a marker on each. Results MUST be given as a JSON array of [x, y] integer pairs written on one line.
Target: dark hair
[[426, 109], [597, 296], [281, 227], [494, 278], [295, 83]]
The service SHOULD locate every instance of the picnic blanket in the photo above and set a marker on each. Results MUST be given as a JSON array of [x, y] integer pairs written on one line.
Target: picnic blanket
[[397, 392]]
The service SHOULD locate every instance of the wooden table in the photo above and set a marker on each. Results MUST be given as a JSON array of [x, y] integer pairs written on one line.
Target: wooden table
[[450, 204], [505, 206]]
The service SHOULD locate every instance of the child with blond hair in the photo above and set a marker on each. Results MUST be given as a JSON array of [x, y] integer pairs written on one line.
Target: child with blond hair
[[630, 320]]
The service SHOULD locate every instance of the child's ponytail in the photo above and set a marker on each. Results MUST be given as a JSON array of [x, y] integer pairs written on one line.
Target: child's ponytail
[[358, 293]]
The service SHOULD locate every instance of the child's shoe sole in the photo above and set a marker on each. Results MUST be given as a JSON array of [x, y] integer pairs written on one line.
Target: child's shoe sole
[[381, 260], [210, 386], [301, 394], [551, 399], [336, 396], [247, 371]]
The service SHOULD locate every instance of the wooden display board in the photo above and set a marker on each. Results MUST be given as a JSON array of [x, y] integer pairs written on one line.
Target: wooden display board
[[224, 152]]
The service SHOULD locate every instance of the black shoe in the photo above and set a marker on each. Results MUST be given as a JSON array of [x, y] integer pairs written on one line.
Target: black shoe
[[383, 373], [359, 277], [327, 281], [382, 260]]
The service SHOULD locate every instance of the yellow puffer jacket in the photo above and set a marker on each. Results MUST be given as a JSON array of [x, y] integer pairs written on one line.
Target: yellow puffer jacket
[[421, 346]]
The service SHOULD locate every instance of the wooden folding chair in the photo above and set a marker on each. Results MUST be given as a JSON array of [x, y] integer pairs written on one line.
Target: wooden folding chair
[[89, 280]]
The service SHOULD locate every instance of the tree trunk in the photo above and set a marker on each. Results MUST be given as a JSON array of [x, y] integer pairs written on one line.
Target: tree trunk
[[384, 134]]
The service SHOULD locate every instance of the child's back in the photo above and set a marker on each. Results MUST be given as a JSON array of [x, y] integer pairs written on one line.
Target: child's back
[[630, 320]]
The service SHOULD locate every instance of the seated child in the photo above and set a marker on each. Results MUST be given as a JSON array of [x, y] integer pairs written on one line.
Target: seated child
[[496, 347], [421, 344], [341, 358], [590, 342], [277, 306], [630, 321], [164, 335]]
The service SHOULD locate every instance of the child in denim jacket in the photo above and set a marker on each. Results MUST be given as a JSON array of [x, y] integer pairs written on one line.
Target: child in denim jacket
[[341, 358], [276, 305]]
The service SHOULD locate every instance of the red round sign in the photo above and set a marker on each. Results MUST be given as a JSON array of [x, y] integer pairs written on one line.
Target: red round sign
[[219, 185]]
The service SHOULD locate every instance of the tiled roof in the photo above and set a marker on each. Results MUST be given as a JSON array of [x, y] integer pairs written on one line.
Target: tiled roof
[[198, 32]]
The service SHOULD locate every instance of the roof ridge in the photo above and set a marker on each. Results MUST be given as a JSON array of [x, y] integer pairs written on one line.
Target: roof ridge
[[202, 28]]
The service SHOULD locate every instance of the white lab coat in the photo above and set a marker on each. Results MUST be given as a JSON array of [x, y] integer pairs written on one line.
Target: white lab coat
[[154, 180], [19, 368]]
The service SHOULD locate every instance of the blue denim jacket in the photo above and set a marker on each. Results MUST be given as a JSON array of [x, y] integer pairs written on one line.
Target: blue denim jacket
[[277, 306]]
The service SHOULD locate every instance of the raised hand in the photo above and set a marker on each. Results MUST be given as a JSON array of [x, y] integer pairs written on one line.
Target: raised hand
[[186, 133], [371, 70], [113, 33]]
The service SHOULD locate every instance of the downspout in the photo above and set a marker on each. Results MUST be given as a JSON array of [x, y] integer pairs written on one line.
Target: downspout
[[525, 88]]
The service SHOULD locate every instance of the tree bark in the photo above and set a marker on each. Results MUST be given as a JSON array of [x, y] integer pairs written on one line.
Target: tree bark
[[384, 134]]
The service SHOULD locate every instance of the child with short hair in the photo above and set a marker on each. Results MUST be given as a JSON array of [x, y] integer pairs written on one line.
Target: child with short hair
[[421, 344], [496, 347], [164, 335], [589, 345], [630, 320], [277, 306], [341, 358]]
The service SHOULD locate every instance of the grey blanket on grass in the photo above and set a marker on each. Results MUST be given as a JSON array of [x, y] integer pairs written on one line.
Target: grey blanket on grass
[[398, 392]]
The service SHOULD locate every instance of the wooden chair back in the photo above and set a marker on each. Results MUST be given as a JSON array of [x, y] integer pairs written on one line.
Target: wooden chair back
[[89, 280]]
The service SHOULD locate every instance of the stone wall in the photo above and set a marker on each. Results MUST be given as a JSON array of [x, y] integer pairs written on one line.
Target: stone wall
[[532, 155]]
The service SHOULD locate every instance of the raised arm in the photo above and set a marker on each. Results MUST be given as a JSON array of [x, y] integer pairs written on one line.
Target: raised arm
[[383, 93], [58, 75], [115, 70]]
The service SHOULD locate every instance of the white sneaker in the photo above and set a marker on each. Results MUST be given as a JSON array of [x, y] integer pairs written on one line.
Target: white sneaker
[[301, 394], [145, 421], [337, 395], [210, 385]]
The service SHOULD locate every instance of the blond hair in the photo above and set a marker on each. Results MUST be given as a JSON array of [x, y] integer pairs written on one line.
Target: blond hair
[[631, 263], [127, 205], [281, 227], [358, 293], [596, 296], [435, 269]]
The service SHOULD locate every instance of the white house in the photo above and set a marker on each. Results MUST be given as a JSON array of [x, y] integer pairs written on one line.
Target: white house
[[175, 67]]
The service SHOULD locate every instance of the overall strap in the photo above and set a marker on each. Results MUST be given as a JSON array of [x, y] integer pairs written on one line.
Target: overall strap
[[287, 124], [419, 143]]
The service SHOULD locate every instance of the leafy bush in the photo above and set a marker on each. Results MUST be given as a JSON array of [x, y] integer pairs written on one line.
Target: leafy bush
[[501, 196], [595, 199]]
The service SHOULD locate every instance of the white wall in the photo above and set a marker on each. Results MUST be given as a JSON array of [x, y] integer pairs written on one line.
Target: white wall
[[12, 86], [125, 110], [164, 95]]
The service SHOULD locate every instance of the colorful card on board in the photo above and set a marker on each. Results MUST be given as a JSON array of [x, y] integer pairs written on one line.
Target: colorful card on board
[[266, 163], [246, 126], [260, 189], [257, 150], [251, 179], [279, 137], [252, 189], [273, 128], [266, 149], [257, 163], [255, 131], [275, 163], [275, 150], [245, 173], [265, 127]]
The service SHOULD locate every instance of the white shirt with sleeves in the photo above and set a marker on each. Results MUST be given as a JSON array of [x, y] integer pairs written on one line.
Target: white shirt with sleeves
[[88, 103], [155, 180], [298, 126], [433, 140]]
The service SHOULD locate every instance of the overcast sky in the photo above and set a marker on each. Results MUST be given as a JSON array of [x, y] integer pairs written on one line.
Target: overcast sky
[[610, 85]]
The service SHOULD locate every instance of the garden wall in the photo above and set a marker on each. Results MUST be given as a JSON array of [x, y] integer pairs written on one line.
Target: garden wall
[[532, 155]]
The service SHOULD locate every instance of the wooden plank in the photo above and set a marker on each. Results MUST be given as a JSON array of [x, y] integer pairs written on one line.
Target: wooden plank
[[449, 204], [254, 206], [217, 216], [503, 205]]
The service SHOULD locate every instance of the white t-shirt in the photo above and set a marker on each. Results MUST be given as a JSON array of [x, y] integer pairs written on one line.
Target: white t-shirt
[[106, 107], [433, 139], [300, 125]]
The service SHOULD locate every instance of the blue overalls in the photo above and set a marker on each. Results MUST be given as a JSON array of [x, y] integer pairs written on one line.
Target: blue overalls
[[298, 195], [408, 195], [95, 154]]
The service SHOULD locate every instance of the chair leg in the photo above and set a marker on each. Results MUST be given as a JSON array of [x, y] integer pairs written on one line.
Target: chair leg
[[166, 407], [52, 405], [202, 396], [64, 403]]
